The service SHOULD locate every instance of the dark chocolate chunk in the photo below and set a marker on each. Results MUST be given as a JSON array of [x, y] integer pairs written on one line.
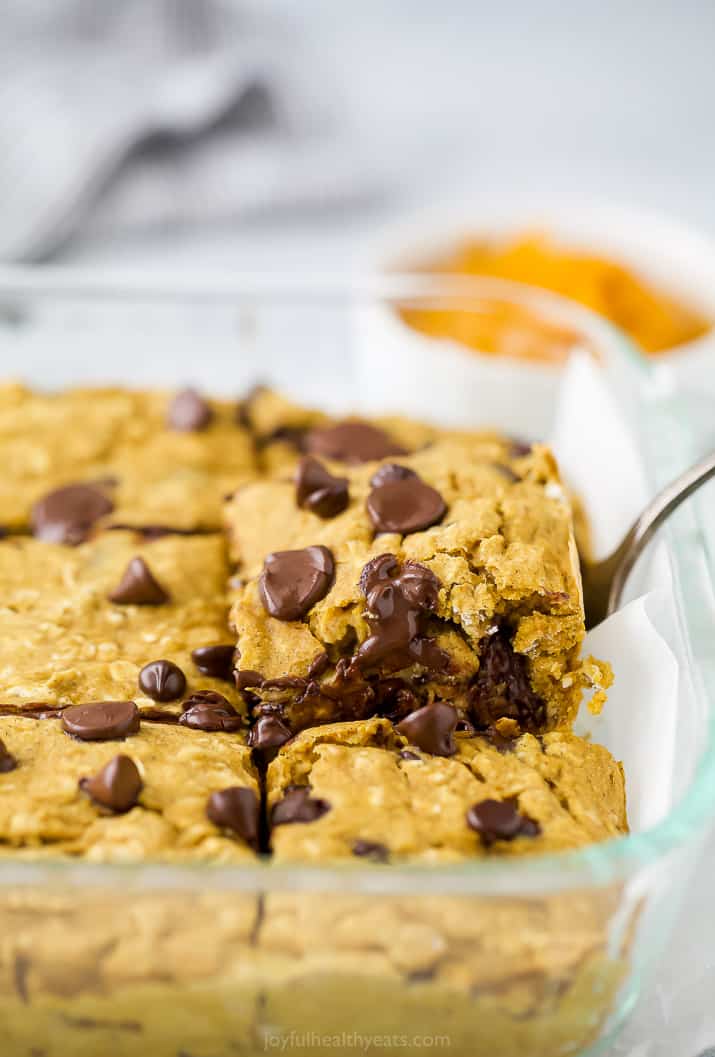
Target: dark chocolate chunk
[[500, 820], [216, 661], [432, 728], [319, 664], [293, 436], [394, 699], [117, 786], [268, 732], [207, 710], [346, 697], [162, 680], [285, 682], [501, 687], [298, 805], [398, 601], [7, 760], [247, 679], [519, 448], [404, 506], [317, 490], [188, 412], [138, 587], [351, 442], [293, 581], [236, 809], [371, 849], [68, 514], [101, 720], [391, 471]]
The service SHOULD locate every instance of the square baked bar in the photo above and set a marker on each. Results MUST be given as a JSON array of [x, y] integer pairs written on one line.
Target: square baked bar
[[142, 458], [363, 791], [119, 617], [283, 431], [102, 783], [448, 575]]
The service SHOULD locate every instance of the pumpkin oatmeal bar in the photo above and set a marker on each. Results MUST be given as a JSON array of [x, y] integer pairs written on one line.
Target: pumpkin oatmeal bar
[[118, 617], [146, 458], [420, 793], [379, 587], [100, 782], [375, 665]]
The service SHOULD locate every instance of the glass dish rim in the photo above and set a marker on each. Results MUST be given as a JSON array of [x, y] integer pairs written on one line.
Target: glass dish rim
[[601, 863]]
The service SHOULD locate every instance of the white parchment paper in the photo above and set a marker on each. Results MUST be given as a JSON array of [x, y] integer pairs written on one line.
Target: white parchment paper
[[599, 458]]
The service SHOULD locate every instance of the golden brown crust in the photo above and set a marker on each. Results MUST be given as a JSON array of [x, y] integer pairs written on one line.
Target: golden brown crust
[[415, 806], [163, 476], [62, 641], [44, 812], [503, 553]]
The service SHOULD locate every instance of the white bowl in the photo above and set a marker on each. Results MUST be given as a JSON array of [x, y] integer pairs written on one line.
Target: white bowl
[[660, 250]]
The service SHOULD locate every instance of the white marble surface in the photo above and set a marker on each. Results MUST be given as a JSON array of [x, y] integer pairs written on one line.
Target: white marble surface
[[601, 97]]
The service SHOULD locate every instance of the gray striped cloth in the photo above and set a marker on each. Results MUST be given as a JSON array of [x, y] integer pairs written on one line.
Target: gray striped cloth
[[122, 114]]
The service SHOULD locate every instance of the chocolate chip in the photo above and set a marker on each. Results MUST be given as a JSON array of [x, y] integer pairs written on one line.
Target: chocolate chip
[[297, 805], [317, 490], [68, 514], [499, 820], [138, 587], [285, 682], [162, 680], [391, 471], [236, 809], [319, 664], [371, 849], [188, 412], [394, 699], [293, 436], [117, 786], [101, 720], [351, 442], [269, 732], [432, 728], [207, 710], [519, 448], [501, 687], [399, 599], [404, 506], [216, 661], [293, 581], [7, 760], [245, 679]]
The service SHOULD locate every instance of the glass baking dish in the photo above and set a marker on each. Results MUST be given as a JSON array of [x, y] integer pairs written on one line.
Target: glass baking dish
[[535, 958]]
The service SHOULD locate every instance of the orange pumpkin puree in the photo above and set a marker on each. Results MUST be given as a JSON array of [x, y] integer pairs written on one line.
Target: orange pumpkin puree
[[654, 320]]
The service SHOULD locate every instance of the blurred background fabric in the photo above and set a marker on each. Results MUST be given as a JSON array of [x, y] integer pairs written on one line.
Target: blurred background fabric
[[276, 134], [130, 114]]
